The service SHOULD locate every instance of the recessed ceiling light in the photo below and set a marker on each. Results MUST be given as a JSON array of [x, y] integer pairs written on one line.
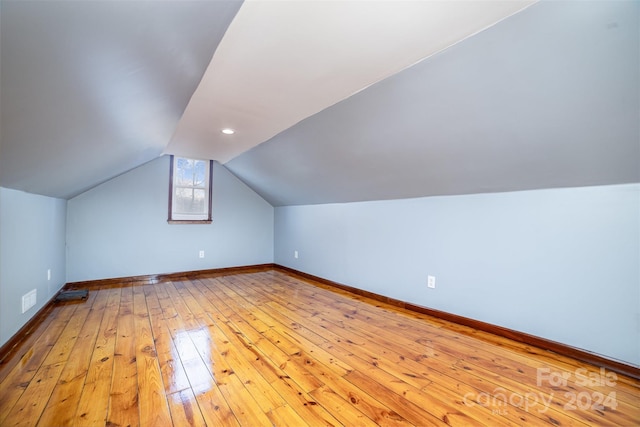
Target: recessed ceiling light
[[228, 131]]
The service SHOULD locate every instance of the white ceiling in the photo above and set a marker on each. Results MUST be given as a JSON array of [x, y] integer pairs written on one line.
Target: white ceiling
[[283, 61], [332, 100]]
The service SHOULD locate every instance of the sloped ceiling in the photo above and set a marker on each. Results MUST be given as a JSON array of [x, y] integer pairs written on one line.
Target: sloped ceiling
[[548, 97], [91, 89], [283, 61]]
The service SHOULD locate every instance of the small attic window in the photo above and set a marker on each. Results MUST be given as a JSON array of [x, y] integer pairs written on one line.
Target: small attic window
[[190, 191]]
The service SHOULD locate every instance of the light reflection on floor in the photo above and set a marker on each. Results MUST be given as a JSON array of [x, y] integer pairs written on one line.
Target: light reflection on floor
[[193, 349]]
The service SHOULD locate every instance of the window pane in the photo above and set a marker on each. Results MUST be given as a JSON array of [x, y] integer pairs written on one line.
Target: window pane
[[199, 196], [183, 174], [199, 173], [183, 200]]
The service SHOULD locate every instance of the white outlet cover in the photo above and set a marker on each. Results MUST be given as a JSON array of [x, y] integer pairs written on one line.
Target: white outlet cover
[[431, 281]]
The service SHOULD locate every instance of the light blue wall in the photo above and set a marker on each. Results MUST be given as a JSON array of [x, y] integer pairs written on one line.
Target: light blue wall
[[563, 264], [32, 240], [120, 228]]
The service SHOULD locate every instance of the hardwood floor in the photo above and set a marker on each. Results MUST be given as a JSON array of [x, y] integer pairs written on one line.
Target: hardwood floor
[[269, 348]]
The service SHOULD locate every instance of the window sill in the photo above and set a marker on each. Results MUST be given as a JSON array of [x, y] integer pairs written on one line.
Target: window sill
[[188, 221]]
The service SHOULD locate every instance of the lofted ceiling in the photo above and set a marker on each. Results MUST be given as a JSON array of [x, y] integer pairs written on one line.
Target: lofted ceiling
[[332, 101]]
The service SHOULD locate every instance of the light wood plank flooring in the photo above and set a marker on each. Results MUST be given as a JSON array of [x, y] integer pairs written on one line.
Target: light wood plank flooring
[[269, 348]]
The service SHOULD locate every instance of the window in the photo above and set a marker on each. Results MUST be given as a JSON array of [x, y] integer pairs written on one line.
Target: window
[[190, 191]]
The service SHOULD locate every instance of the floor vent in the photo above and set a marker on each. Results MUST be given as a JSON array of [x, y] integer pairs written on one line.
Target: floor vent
[[80, 294]]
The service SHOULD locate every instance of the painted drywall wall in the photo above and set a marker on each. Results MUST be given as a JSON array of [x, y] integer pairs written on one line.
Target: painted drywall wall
[[32, 241], [120, 229], [562, 264]]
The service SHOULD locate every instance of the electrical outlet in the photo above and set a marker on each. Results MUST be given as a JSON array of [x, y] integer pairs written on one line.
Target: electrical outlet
[[49, 274], [201, 254], [295, 254], [431, 281]]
